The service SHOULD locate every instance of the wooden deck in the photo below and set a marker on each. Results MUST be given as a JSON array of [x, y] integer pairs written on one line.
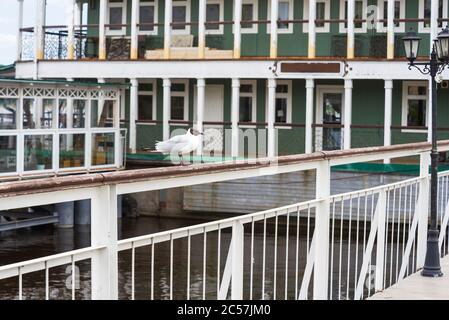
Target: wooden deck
[[417, 287]]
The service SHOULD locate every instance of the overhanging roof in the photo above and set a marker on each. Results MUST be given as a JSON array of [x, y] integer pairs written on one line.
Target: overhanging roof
[[61, 83]]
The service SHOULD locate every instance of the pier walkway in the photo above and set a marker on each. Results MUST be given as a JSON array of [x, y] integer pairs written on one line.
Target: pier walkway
[[417, 287]]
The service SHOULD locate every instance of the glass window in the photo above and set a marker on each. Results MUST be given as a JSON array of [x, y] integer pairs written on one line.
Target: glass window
[[415, 105], [79, 113], [38, 152], [8, 114], [103, 149], [247, 15], [427, 9], [102, 116], [416, 113], [177, 108], [213, 14], [179, 15], [146, 15], [246, 112], [115, 17], [358, 14], [71, 150], [283, 14], [29, 114], [247, 107], [281, 110], [145, 108], [397, 13], [62, 109], [8, 154], [320, 13], [48, 106]]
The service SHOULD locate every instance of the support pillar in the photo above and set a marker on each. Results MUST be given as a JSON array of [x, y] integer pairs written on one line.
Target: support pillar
[[347, 121], [388, 114], [166, 109], [350, 29], [65, 213], [271, 117], [167, 28], [201, 29], [235, 106], [237, 27], [71, 32], [39, 31], [390, 29], [201, 98], [134, 34], [312, 29], [134, 101], [310, 85], [274, 29], [102, 31], [19, 30]]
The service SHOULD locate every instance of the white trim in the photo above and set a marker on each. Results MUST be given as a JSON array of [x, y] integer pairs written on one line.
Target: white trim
[[406, 97], [149, 4], [327, 14], [152, 93], [186, 29], [184, 94], [421, 27], [290, 16], [342, 27], [280, 95], [255, 26], [221, 17], [380, 12], [122, 5], [253, 96]]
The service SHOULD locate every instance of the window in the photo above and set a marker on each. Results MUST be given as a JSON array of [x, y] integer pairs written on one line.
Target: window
[[283, 104], [214, 13], [147, 15], [248, 100], [414, 104], [359, 13], [116, 15], [249, 13], [424, 13], [38, 114], [323, 12], [179, 100], [181, 14], [285, 12], [146, 109], [8, 113], [399, 13]]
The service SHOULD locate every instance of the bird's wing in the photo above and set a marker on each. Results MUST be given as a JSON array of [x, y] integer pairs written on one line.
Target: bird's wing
[[174, 144]]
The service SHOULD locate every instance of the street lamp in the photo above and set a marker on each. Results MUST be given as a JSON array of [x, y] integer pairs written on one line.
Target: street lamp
[[439, 59]]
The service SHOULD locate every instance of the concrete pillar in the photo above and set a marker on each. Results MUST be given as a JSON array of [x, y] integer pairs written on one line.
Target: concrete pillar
[[235, 106], [134, 33], [310, 85], [270, 117], [347, 121], [312, 29], [65, 212], [201, 29], [39, 31], [237, 28], [134, 101], [350, 29], [166, 108], [274, 29], [388, 114], [390, 29], [82, 212], [19, 27], [71, 32], [102, 31], [167, 28], [201, 99]]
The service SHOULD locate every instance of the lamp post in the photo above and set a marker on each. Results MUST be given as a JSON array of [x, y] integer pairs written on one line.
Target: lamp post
[[439, 59]]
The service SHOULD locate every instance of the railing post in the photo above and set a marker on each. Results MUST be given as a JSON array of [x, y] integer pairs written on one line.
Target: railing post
[[104, 233], [321, 269], [380, 247], [423, 211], [237, 261]]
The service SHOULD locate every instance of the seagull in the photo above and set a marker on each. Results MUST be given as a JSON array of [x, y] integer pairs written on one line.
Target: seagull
[[180, 145]]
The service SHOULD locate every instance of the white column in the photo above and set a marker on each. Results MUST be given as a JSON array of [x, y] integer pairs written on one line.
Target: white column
[[390, 29], [423, 209], [310, 85], [237, 245], [71, 32], [347, 121], [134, 33], [235, 105], [39, 31], [350, 29], [78, 24], [166, 109], [270, 117], [201, 28], [134, 101], [201, 98], [312, 32], [167, 28], [104, 233], [237, 27], [274, 29], [102, 31], [19, 32], [387, 115]]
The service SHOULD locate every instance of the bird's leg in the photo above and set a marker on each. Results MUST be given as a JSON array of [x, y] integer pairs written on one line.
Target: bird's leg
[[182, 159]]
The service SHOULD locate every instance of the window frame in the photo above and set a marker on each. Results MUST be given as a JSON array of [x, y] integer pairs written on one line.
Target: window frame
[[184, 94], [255, 27], [220, 29], [342, 16], [154, 4], [327, 14], [122, 5], [421, 6], [406, 97], [291, 12], [152, 93], [188, 5], [288, 96], [253, 96], [380, 12]]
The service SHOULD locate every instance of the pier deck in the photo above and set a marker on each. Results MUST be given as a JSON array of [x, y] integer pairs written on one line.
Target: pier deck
[[417, 287]]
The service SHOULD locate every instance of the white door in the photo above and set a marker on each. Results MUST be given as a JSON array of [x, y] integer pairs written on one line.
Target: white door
[[213, 112]]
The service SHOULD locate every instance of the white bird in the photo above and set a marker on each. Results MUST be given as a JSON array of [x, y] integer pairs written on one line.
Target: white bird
[[180, 145]]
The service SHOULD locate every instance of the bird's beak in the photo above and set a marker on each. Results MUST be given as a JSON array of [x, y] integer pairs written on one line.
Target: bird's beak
[[202, 133]]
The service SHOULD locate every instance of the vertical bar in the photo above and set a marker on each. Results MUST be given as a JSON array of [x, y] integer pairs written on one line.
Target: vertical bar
[[357, 244], [380, 247], [387, 114], [297, 252], [237, 27], [274, 29], [167, 28], [19, 31], [20, 283], [312, 29], [235, 117], [387, 218], [350, 29], [70, 32], [73, 279], [133, 106], [218, 260], [152, 270], [275, 255], [189, 244], [310, 85], [102, 30], [237, 261], [347, 121], [264, 255], [134, 29], [392, 236], [349, 248], [271, 116], [133, 257], [47, 285], [171, 266], [39, 31], [166, 108], [331, 291], [390, 29], [286, 253], [340, 255], [201, 28], [201, 99], [204, 262], [252, 262]]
